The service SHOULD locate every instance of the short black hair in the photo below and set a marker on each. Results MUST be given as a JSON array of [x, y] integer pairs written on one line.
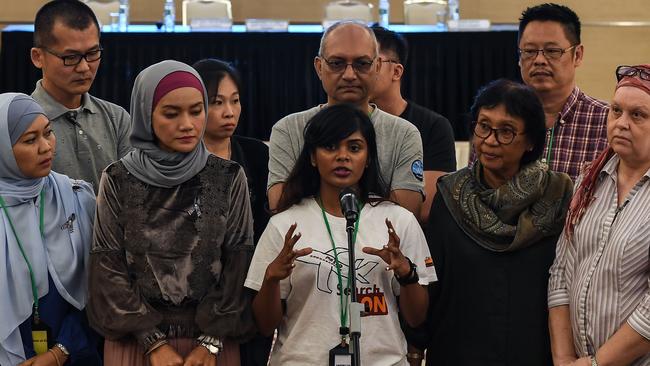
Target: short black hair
[[72, 13], [213, 71], [555, 13], [519, 101], [390, 41]]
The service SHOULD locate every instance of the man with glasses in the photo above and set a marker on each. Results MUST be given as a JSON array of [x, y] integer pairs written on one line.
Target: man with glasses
[[347, 65], [435, 130], [91, 133], [549, 53]]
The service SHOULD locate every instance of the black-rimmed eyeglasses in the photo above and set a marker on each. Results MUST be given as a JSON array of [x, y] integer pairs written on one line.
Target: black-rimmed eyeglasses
[[361, 66], [551, 53], [623, 71], [504, 136], [74, 59]]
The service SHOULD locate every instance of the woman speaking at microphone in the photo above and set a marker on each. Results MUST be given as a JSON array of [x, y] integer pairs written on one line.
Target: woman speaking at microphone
[[300, 265]]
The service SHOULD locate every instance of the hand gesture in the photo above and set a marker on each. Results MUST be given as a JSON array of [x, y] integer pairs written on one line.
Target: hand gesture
[[200, 357], [391, 254], [283, 264], [165, 355]]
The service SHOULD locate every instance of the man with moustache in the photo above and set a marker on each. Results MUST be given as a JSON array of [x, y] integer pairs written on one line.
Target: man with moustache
[[91, 133], [347, 64], [549, 53]]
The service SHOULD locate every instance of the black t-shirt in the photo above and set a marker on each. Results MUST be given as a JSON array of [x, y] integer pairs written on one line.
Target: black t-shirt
[[437, 137], [253, 156]]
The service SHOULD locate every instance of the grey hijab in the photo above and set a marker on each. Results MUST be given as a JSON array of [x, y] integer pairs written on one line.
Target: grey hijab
[[147, 161], [61, 250]]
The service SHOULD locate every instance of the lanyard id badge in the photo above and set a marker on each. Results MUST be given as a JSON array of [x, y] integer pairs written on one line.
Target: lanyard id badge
[[41, 333], [41, 337], [340, 355]]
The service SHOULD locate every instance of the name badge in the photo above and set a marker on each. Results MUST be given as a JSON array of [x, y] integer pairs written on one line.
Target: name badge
[[39, 337], [340, 356]]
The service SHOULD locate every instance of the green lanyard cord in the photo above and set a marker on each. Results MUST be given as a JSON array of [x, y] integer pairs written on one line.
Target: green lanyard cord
[[22, 250], [343, 303], [550, 147]]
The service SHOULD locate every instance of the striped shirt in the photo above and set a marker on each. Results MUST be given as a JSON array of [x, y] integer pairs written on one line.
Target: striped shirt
[[602, 274], [579, 135]]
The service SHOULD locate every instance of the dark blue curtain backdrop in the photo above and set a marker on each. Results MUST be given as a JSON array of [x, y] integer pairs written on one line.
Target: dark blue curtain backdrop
[[444, 71]]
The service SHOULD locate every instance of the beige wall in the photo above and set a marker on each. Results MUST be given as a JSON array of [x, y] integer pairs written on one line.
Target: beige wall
[[605, 46]]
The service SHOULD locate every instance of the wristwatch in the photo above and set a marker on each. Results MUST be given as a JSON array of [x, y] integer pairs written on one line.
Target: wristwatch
[[62, 349], [411, 278], [212, 344]]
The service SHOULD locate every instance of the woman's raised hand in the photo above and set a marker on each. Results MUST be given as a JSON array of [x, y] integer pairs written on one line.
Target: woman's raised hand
[[391, 254], [283, 264]]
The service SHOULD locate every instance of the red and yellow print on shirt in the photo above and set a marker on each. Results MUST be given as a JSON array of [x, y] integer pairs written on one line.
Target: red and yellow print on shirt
[[371, 295]]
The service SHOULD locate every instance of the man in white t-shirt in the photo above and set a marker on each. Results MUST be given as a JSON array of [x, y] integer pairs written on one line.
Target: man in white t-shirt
[[348, 64]]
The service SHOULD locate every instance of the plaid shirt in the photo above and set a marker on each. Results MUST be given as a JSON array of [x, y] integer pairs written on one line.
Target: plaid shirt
[[579, 135]]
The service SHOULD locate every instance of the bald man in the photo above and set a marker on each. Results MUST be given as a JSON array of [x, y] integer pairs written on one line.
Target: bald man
[[348, 65]]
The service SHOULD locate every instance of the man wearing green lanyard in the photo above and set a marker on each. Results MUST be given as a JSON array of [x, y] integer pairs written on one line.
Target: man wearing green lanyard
[[550, 50]]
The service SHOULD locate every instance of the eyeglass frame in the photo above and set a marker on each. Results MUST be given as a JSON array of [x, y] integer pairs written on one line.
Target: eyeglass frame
[[544, 50], [496, 132], [82, 56], [638, 72], [351, 64]]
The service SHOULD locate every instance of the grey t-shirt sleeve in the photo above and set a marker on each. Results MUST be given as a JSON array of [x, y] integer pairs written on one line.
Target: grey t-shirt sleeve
[[408, 173], [123, 121], [281, 157]]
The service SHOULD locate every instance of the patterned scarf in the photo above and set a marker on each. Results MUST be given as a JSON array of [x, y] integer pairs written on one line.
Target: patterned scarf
[[518, 214]]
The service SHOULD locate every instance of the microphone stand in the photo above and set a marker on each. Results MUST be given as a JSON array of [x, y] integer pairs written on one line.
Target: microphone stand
[[355, 307]]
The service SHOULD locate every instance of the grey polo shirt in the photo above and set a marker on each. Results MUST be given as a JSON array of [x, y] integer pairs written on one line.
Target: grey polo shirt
[[97, 137]]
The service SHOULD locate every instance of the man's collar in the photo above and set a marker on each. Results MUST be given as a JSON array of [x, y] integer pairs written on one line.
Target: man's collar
[[570, 106], [54, 109]]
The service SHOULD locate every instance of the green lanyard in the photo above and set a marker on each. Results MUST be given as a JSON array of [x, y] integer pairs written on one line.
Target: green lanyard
[[22, 250], [343, 299], [550, 147]]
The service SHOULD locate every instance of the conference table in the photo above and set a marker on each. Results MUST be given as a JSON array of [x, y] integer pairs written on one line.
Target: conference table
[[444, 70]]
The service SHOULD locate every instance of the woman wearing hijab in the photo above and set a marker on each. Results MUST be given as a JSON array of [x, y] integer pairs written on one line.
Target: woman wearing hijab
[[173, 235], [598, 293], [45, 235]]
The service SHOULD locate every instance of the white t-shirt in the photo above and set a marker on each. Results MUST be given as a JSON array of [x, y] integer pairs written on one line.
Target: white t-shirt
[[310, 326]]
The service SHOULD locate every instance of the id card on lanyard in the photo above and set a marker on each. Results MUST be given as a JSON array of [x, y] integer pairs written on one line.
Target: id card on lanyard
[[341, 355], [41, 333]]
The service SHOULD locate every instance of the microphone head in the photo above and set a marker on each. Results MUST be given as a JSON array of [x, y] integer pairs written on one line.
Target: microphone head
[[349, 206], [347, 191]]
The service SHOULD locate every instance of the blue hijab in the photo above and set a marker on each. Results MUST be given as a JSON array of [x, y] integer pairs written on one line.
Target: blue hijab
[[62, 250]]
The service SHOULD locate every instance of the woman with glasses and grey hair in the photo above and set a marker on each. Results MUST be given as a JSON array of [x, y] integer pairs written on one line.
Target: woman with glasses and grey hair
[[492, 233], [598, 293]]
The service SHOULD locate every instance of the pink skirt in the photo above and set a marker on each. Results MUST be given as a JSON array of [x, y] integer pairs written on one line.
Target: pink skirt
[[130, 353]]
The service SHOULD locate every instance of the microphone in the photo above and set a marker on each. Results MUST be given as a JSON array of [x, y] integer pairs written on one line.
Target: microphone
[[349, 204]]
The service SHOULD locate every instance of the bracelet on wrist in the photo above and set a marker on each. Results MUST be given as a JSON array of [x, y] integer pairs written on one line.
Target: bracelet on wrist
[[56, 358], [411, 278], [212, 344], [415, 356], [593, 360], [62, 348], [155, 346]]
